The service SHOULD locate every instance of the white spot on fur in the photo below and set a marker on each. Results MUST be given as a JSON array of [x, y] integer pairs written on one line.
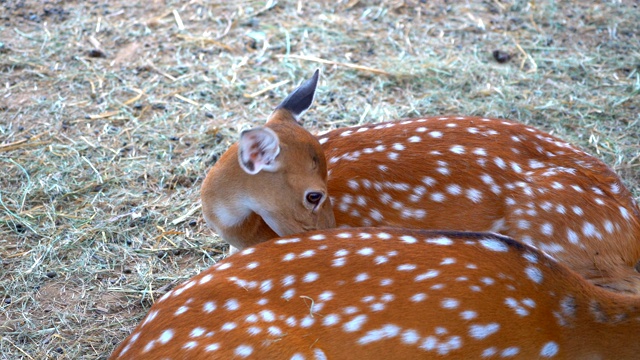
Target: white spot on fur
[[534, 274], [355, 324], [482, 331], [549, 349], [494, 245]]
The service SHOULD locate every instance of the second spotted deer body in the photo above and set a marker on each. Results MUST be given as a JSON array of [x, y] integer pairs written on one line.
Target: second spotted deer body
[[446, 172], [387, 293]]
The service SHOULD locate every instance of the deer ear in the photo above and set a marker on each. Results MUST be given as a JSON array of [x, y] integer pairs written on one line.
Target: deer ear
[[257, 150], [302, 97]]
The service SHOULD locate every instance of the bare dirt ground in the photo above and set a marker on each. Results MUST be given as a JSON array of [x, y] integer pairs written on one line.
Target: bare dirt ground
[[111, 112]]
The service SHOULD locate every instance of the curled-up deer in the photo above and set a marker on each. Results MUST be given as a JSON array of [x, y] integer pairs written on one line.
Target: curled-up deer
[[388, 293], [445, 172]]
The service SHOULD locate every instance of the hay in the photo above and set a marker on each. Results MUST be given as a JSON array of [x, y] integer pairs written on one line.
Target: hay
[[112, 112]]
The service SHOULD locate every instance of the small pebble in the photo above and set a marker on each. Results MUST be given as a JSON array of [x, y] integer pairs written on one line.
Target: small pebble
[[96, 53], [501, 56]]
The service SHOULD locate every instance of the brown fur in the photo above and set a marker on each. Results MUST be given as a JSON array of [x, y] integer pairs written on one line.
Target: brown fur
[[537, 307], [607, 260]]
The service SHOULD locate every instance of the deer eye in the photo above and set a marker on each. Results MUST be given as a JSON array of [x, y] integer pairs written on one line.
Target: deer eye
[[314, 197]]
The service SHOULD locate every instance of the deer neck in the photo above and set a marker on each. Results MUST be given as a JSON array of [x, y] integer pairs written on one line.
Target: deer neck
[[226, 202]]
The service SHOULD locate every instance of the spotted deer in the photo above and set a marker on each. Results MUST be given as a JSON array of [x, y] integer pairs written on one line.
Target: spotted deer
[[388, 293], [446, 172]]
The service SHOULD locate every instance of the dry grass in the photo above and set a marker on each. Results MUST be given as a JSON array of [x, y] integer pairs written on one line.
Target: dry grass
[[111, 112]]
